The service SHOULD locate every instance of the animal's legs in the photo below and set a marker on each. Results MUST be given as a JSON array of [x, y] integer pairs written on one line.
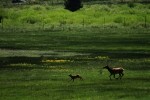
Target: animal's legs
[[81, 78], [114, 75], [110, 76], [120, 75]]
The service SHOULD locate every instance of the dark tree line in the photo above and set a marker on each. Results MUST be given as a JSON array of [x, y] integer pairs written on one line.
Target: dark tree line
[[7, 2]]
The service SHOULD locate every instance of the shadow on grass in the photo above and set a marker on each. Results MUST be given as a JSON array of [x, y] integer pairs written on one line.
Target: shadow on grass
[[121, 54], [23, 59], [6, 61]]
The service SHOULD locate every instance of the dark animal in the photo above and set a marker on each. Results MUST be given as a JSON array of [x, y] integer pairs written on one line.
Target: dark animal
[[114, 71], [75, 77]]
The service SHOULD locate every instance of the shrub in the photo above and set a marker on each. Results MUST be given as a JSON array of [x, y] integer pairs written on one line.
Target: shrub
[[38, 8], [131, 4], [73, 5], [105, 8], [1, 18]]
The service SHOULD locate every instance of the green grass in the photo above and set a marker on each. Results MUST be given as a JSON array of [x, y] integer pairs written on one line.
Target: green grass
[[36, 65], [52, 82], [42, 17], [105, 40]]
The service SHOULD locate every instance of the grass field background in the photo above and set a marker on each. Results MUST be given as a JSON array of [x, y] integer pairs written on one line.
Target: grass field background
[[40, 45], [36, 65], [52, 18]]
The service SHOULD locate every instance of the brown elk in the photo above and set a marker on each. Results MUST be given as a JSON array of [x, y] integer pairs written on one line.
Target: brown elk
[[75, 77], [114, 71]]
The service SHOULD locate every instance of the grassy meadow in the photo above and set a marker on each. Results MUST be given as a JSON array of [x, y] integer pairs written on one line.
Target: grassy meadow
[[36, 65], [41, 45], [54, 18]]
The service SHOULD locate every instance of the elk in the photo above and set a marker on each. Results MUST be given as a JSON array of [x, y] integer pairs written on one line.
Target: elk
[[75, 77], [114, 71]]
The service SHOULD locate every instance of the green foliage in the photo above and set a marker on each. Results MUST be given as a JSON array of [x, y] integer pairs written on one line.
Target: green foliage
[[131, 4], [38, 8], [30, 20], [105, 8], [93, 15], [2, 12], [119, 20]]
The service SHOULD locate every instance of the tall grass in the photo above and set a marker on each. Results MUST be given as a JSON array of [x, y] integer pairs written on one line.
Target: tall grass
[[44, 17]]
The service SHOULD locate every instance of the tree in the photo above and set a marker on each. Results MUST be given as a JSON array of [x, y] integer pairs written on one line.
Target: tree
[[1, 18], [73, 5], [2, 15], [18, 1]]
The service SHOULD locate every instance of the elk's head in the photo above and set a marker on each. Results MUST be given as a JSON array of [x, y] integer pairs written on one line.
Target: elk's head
[[106, 67], [70, 75]]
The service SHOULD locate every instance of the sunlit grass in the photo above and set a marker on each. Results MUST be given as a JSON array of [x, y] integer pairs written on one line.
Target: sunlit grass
[[54, 82], [55, 61], [42, 17], [102, 57], [36, 65]]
